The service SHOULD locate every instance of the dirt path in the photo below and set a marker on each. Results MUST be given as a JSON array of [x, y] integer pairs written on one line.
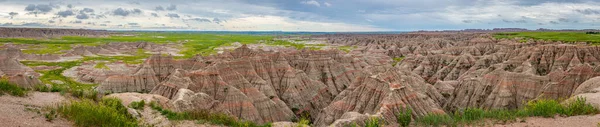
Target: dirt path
[[27, 111], [574, 121]]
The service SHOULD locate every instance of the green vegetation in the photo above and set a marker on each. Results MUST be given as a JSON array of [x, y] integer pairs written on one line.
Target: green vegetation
[[346, 49], [67, 83], [404, 117], [137, 105], [397, 60], [109, 112], [543, 108], [553, 36], [203, 116], [9, 88], [374, 122], [47, 49], [101, 65]]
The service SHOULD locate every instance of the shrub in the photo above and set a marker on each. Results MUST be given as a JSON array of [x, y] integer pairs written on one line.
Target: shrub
[[137, 105], [404, 117], [544, 108], [9, 88], [107, 113], [580, 107], [469, 115], [373, 122]]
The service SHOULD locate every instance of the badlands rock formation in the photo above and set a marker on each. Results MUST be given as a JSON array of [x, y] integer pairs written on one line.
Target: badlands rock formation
[[14, 71]]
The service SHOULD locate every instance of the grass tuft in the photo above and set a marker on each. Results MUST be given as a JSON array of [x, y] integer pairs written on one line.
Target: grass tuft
[[137, 105], [12, 89], [109, 112]]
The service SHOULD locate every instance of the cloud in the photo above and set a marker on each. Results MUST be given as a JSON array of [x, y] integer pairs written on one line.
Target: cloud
[[172, 15], [327, 4], [38, 9], [69, 6], [66, 13], [133, 24], [76, 22], [554, 22], [172, 7], [12, 14], [82, 16], [159, 8], [154, 14], [311, 2], [201, 19], [125, 12], [51, 21], [588, 11], [218, 21], [563, 20], [86, 10]]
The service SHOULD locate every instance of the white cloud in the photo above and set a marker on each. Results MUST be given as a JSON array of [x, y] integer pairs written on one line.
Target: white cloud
[[327, 4], [312, 2]]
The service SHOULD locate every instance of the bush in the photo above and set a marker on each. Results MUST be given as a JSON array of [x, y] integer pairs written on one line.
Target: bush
[[404, 117], [580, 107], [9, 88], [373, 122], [544, 108], [137, 105], [107, 113]]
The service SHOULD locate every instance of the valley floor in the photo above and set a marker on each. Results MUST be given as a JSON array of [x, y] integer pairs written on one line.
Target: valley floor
[[573, 121]]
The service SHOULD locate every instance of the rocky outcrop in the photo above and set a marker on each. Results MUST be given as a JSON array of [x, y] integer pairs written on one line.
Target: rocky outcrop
[[15, 72]]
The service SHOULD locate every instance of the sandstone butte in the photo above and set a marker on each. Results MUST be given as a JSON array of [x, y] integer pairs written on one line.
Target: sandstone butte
[[440, 73]]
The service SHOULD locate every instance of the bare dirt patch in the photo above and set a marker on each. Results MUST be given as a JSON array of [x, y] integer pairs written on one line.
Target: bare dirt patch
[[27, 111], [573, 121]]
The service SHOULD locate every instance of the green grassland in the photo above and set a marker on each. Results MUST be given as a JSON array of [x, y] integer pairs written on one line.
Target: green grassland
[[552, 36]]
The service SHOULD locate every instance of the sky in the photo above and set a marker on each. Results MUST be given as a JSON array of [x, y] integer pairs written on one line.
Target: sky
[[301, 15]]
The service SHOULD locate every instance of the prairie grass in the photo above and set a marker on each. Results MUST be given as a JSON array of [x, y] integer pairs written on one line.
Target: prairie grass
[[12, 89], [553, 36], [537, 108], [109, 112], [203, 116], [397, 60]]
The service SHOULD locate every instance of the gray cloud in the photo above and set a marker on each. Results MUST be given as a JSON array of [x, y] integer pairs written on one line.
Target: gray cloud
[[133, 24], [159, 8], [82, 16], [521, 21], [77, 22], [172, 15], [86, 10], [51, 21], [125, 12], [172, 7], [218, 21], [103, 25], [563, 20], [38, 9], [554, 22], [13, 14], [588, 11], [66, 13], [201, 19], [69, 6], [154, 14]]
